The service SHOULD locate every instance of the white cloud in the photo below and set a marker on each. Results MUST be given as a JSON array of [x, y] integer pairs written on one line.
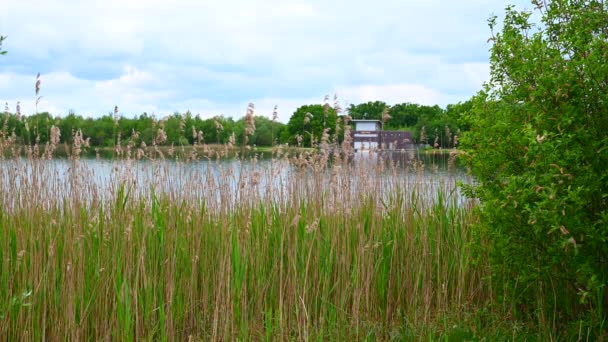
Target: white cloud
[[394, 94], [215, 57], [477, 72], [61, 91]]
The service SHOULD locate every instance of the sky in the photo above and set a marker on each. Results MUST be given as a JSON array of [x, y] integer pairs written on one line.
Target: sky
[[215, 57]]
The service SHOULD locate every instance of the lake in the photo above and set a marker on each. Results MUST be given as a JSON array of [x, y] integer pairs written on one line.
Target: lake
[[230, 182]]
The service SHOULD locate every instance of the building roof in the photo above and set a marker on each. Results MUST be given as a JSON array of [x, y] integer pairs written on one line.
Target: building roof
[[364, 120]]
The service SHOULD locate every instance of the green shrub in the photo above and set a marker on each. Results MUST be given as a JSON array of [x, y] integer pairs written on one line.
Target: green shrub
[[538, 146]]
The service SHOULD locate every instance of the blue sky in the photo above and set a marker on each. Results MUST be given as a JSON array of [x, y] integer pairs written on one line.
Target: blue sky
[[214, 57]]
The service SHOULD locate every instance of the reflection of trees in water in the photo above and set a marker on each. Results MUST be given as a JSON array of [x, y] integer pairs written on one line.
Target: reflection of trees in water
[[442, 162]]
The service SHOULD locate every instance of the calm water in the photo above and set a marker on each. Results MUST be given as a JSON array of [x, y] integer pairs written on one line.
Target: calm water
[[427, 172]]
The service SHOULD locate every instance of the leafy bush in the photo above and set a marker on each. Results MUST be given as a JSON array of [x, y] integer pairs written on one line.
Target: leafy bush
[[539, 148]]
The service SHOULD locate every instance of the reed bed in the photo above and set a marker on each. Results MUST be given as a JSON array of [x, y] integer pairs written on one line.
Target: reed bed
[[304, 246]]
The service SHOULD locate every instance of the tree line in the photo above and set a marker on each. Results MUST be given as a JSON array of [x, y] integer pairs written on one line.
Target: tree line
[[431, 125], [108, 130]]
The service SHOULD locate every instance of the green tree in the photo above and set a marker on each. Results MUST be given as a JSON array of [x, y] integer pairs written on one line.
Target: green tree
[[68, 125], [434, 121], [309, 121], [175, 126], [11, 124], [39, 126], [368, 111], [2, 52], [539, 149], [101, 131], [190, 122], [265, 131], [146, 127], [459, 114], [404, 115], [216, 130]]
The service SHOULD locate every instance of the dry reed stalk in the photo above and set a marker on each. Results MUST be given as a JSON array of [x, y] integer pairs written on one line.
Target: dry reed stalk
[[226, 249], [37, 90]]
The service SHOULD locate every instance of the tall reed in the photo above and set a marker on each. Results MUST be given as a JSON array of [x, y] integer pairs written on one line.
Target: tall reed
[[312, 245]]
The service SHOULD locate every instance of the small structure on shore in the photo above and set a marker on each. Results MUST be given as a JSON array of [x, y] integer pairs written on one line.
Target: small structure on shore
[[369, 135]]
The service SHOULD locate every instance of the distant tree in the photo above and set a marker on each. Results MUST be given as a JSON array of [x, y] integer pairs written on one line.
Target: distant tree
[[12, 124], [145, 126], [216, 130], [101, 131], [367, 111], [433, 121], [39, 127], [190, 125], [211, 132], [404, 115], [68, 125], [175, 128], [459, 113], [2, 52], [126, 127], [308, 122], [265, 128]]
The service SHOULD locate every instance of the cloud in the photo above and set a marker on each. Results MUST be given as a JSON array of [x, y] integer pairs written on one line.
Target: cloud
[[61, 91], [394, 94], [212, 56]]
